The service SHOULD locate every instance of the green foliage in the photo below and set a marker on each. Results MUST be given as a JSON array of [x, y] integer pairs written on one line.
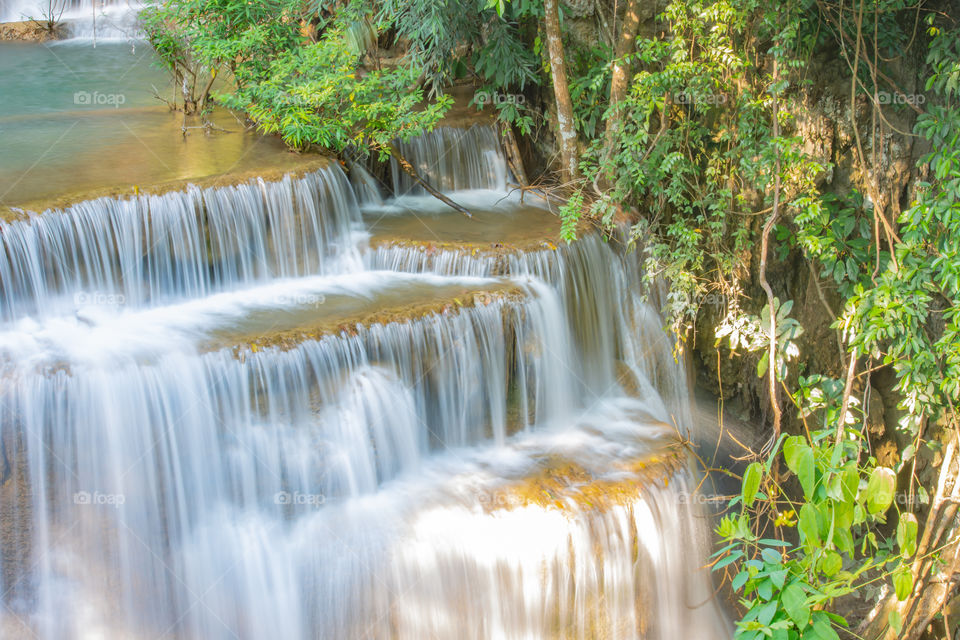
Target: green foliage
[[839, 235], [309, 92], [316, 95], [697, 148], [445, 37], [170, 43], [708, 131], [785, 587], [590, 88], [921, 282], [231, 33], [570, 216], [753, 334]]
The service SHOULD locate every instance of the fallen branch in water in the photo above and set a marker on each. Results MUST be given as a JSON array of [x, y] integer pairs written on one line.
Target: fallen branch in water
[[536, 190], [409, 170]]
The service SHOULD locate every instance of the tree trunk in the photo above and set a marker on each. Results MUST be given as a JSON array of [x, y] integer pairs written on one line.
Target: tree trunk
[[619, 81], [512, 153], [561, 90]]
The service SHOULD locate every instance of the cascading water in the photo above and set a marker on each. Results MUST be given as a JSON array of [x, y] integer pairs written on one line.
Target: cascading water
[[177, 245], [500, 468], [452, 159]]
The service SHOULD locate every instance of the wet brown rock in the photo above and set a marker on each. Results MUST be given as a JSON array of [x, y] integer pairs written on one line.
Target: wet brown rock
[[30, 31], [348, 325], [566, 485]]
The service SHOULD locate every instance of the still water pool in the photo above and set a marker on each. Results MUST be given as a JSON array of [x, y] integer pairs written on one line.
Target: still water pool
[[75, 118]]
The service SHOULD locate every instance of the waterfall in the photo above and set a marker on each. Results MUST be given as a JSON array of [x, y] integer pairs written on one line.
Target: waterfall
[[498, 464], [452, 159], [591, 279], [365, 186], [151, 249]]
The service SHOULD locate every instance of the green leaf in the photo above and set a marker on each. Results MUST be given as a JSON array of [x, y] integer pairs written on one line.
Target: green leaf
[[895, 622], [850, 480], [880, 490], [907, 534], [765, 590], [778, 578], [843, 539], [831, 563], [824, 630], [807, 524], [740, 580], [771, 557], [762, 364], [751, 483], [734, 555], [791, 450], [799, 457], [767, 612], [794, 602], [843, 513], [772, 542], [903, 582]]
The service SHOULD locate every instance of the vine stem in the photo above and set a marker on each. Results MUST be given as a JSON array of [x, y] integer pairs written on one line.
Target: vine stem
[[845, 404], [764, 247]]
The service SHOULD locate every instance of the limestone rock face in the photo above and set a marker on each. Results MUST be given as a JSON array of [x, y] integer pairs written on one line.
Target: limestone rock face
[[579, 8]]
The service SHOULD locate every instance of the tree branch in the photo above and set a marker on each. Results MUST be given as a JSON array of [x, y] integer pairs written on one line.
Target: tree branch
[[409, 170]]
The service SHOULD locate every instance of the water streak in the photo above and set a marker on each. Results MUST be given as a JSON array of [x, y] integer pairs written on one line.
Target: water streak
[[338, 487], [153, 249], [452, 159]]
